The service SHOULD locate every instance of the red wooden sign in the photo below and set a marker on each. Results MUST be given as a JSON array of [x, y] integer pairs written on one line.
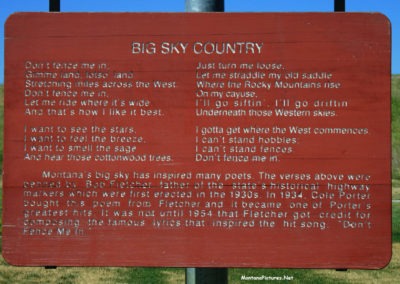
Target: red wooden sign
[[215, 140]]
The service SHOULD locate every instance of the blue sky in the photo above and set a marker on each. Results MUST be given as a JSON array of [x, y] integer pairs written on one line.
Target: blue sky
[[391, 8]]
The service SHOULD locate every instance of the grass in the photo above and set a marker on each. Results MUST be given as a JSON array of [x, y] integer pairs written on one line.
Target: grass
[[98, 275], [92, 275], [314, 276], [396, 193], [396, 222], [396, 129]]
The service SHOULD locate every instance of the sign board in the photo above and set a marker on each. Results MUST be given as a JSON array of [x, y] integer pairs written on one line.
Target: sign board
[[197, 140]]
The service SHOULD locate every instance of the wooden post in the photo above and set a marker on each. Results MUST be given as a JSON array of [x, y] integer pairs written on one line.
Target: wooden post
[[340, 5], [206, 275], [205, 6], [54, 5]]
